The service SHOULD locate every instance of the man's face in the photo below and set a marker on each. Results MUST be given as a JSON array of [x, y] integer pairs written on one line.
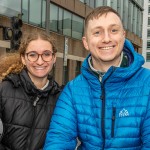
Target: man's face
[[105, 39]]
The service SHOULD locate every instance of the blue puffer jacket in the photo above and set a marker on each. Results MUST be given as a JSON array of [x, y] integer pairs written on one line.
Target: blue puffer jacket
[[113, 114]]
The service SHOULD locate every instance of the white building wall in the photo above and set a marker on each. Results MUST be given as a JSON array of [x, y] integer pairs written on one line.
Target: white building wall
[[144, 34]]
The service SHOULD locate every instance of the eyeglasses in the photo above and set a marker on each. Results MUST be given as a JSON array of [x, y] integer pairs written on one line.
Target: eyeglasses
[[34, 56]]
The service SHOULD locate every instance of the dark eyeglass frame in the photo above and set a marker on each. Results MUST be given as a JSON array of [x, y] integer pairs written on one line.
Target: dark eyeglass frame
[[52, 54]]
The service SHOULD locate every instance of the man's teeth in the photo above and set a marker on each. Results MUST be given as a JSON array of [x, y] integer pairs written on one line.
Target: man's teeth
[[106, 48]]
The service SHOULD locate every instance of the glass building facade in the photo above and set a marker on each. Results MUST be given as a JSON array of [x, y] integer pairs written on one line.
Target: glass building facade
[[69, 24], [61, 20]]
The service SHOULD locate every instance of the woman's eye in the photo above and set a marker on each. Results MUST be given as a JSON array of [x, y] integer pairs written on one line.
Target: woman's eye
[[32, 55], [46, 54]]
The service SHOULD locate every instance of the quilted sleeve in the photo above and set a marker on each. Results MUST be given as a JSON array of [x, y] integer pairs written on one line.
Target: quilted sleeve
[[63, 130], [145, 131]]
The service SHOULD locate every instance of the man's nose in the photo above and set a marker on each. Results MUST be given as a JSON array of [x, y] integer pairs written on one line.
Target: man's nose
[[106, 37]]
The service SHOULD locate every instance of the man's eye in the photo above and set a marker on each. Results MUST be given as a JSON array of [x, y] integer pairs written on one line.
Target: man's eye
[[114, 30], [97, 33]]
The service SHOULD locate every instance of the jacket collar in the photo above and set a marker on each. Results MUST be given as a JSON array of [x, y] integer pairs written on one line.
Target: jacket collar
[[24, 80]]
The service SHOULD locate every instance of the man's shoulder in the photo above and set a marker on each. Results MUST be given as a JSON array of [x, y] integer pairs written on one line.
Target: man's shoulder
[[79, 81]]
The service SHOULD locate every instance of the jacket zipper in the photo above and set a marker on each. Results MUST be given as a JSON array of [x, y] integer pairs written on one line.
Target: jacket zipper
[[35, 101], [113, 121], [34, 117], [102, 97], [103, 115]]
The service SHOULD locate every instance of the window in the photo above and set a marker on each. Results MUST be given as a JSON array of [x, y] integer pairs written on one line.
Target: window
[[139, 23], [148, 33], [148, 9], [125, 13], [148, 57], [130, 18], [120, 8], [77, 27], [25, 11], [134, 19], [148, 21], [78, 67], [148, 44], [92, 3], [43, 21], [82, 1], [60, 21], [114, 4], [53, 17], [99, 3], [35, 12], [67, 23]]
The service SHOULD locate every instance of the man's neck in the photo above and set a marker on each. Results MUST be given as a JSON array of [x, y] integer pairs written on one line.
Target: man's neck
[[103, 67]]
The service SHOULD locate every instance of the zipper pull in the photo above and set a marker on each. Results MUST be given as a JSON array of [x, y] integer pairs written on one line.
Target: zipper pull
[[113, 121], [36, 100]]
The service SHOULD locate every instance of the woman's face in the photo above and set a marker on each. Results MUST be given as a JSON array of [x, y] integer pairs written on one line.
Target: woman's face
[[39, 59]]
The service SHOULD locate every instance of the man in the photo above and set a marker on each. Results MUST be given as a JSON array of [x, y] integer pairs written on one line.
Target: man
[[107, 105]]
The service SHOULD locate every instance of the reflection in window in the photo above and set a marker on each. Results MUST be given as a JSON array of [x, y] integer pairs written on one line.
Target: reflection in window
[[53, 17], [114, 4], [25, 15], [35, 12], [130, 21], [82, 1], [99, 3], [108, 3], [60, 21], [67, 23], [120, 8], [135, 20], [139, 23], [77, 27], [87, 2], [43, 22], [125, 13], [92, 4]]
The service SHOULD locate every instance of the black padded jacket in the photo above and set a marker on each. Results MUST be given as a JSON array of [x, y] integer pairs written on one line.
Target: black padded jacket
[[25, 112]]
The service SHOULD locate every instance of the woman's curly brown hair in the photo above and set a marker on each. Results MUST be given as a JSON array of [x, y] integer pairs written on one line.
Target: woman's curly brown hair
[[12, 63]]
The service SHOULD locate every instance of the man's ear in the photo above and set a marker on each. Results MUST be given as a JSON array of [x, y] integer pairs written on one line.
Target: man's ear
[[85, 43], [124, 33]]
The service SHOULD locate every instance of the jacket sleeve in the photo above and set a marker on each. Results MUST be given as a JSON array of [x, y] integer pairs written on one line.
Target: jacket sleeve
[[1, 125], [145, 131], [63, 128]]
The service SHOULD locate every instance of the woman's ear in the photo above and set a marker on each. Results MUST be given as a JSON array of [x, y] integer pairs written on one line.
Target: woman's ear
[[23, 60]]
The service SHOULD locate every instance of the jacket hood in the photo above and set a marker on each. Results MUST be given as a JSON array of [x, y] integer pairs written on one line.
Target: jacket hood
[[24, 80], [118, 74]]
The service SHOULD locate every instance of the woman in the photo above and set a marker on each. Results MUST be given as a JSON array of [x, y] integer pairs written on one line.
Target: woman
[[28, 94]]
